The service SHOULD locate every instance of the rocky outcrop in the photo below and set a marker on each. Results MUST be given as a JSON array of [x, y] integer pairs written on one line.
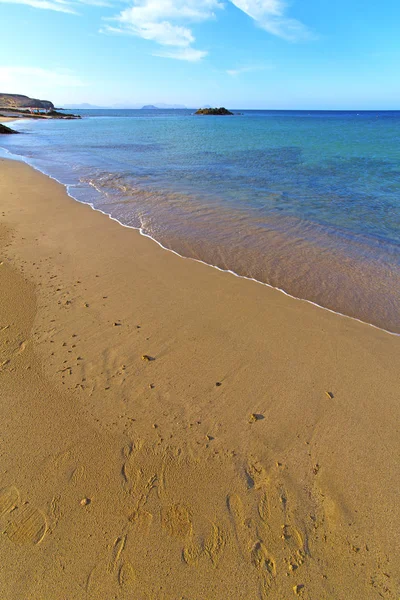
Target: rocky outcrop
[[4, 129], [213, 111], [55, 114], [17, 101]]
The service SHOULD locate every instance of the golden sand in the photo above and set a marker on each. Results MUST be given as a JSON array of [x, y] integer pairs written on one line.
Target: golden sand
[[172, 432]]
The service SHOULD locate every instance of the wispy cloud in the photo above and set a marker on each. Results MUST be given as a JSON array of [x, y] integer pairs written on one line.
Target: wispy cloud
[[271, 16], [189, 54], [57, 5], [63, 6], [168, 23], [248, 69], [165, 22], [96, 2], [164, 33]]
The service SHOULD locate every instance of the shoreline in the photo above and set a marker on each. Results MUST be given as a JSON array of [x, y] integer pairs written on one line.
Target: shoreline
[[178, 432], [68, 187]]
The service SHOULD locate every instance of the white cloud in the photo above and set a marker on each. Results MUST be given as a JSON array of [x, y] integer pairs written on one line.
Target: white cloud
[[271, 16], [153, 11], [64, 6], [163, 33], [57, 5], [189, 54], [249, 69], [95, 2], [165, 22], [236, 72]]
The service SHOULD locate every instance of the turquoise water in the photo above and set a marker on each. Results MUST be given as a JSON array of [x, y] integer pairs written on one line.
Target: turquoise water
[[308, 202]]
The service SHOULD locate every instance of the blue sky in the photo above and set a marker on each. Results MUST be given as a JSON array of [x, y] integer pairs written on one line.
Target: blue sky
[[316, 54]]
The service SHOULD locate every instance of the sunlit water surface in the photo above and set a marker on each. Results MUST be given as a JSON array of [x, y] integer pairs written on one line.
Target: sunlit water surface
[[308, 202]]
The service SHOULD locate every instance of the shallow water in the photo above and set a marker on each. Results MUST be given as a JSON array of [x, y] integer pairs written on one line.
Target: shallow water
[[308, 202]]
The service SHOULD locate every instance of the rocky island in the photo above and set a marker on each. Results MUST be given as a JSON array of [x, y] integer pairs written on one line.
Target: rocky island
[[17, 105], [213, 111]]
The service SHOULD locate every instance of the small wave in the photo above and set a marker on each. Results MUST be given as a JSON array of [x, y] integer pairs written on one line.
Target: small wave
[[143, 230]]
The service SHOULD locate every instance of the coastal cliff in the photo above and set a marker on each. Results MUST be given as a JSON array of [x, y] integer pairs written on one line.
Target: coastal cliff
[[17, 105], [18, 101]]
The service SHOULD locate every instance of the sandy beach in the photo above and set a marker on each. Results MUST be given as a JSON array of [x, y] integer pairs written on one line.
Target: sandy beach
[[172, 432]]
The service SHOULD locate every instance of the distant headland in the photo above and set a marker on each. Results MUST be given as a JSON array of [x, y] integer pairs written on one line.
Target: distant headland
[[17, 105], [17, 101], [213, 111]]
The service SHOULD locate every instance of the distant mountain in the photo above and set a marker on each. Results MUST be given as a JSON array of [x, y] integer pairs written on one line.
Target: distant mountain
[[86, 106], [17, 101], [167, 106]]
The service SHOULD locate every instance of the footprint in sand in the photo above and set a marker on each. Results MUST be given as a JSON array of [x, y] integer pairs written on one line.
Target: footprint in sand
[[237, 515], [256, 475], [177, 521], [264, 508], [265, 566], [215, 544], [251, 548], [143, 472], [126, 575], [212, 548], [141, 521], [9, 499], [26, 524], [261, 559], [117, 549], [119, 569], [265, 526], [294, 545]]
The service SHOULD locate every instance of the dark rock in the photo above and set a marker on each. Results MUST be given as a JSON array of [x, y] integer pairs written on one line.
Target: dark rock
[[148, 358], [255, 417], [4, 129], [213, 111], [55, 114]]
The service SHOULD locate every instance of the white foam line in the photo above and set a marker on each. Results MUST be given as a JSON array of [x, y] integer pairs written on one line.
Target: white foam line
[[144, 234], [12, 156]]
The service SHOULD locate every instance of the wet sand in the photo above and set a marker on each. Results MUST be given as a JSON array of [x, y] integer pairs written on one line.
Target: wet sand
[[173, 432]]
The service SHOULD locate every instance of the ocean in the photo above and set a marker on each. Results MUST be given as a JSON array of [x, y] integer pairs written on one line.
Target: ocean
[[305, 201]]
